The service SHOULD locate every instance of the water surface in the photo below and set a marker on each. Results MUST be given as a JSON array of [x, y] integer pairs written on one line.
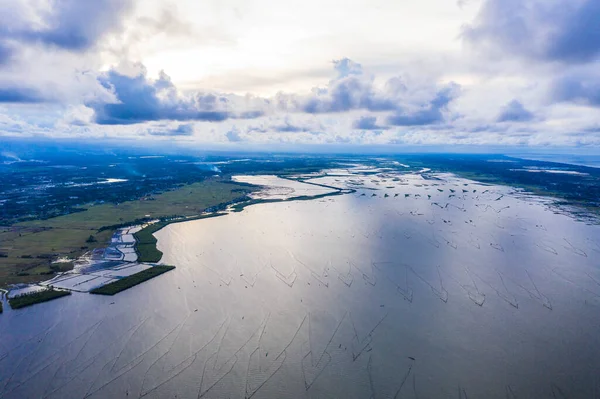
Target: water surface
[[413, 286]]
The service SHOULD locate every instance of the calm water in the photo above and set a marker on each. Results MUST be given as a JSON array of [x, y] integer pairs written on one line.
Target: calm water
[[478, 293]]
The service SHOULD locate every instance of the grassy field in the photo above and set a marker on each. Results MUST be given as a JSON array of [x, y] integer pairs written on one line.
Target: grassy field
[[131, 281], [25, 300], [27, 249]]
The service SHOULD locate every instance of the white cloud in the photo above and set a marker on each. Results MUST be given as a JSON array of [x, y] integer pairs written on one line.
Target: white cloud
[[436, 72]]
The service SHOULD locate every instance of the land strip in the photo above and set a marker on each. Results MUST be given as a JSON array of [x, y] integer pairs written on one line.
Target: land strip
[[25, 300], [131, 281]]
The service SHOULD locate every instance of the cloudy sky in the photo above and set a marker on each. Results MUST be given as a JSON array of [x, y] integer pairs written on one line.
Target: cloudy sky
[[263, 72]]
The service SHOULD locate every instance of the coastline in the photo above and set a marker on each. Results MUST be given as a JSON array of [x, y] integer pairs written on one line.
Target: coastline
[[99, 265], [145, 244]]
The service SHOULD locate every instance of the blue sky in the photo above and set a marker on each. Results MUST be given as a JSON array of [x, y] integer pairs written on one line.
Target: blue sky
[[257, 72]]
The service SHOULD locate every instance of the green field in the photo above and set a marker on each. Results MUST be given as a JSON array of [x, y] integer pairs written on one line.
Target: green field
[[25, 300], [28, 248], [131, 281]]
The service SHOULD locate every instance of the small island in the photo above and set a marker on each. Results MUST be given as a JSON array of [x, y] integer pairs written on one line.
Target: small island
[[24, 300], [130, 281]]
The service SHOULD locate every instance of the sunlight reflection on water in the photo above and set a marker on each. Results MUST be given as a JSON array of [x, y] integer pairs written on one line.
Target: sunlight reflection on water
[[441, 288]]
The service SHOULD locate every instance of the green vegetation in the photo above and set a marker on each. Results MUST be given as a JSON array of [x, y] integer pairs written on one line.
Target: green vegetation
[[24, 300], [31, 246], [131, 281], [146, 243]]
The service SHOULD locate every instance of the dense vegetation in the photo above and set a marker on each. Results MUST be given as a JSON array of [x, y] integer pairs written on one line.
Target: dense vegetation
[[24, 300], [131, 281], [146, 243]]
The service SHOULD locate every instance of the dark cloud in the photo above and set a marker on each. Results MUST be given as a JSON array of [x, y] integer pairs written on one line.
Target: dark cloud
[[257, 129], [551, 30], [68, 24], [19, 95], [288, 127], [250, 114], [181, 130], [141, 99], [350, 90], [6, 53], [591, 129], [581, 87], [428, 115], [233, 135], [514, 111], [367, 123]]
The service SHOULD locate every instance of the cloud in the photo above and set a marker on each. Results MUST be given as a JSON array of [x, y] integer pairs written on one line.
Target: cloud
[[141, 99], [353, 89], [67, 24], [19, 95], [289, 128], [346, 67], [423, 117], [59, 76], [233, 135], [6, 53], [166, 22], [366, 123], [149, 33], [514, 111], [563, 38], [581, 86], [256, 129], [350, 89], [430, 114], [548, 30], [181, 130], [463, 3], [49, 48], [79, 115]]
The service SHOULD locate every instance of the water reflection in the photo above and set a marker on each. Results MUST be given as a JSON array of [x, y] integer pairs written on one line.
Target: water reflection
[[441, 288]]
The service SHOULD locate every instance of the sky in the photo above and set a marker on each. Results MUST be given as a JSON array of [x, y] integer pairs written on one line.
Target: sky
[[252, 73]]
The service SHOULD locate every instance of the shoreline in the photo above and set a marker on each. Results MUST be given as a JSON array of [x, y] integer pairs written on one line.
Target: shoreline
[[237, 205], [147, 254]]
